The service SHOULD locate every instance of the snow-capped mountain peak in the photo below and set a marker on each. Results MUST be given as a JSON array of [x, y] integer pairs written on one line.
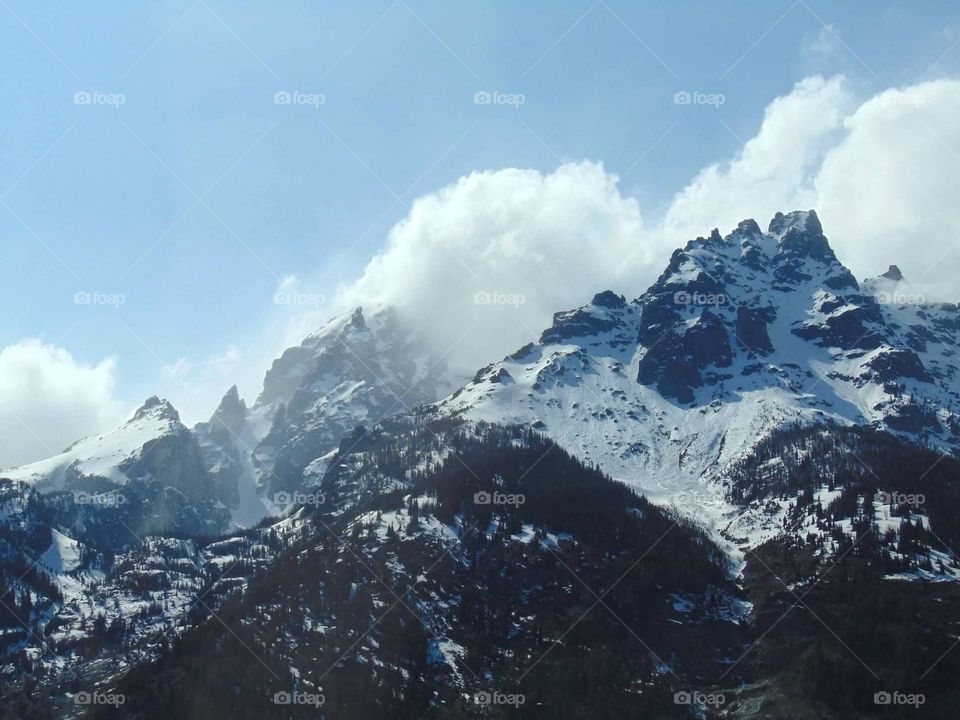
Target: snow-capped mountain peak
[[739, 336], [111, 455]]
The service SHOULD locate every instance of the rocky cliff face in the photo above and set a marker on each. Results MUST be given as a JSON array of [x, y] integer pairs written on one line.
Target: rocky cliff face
[[739, 336], [358, 369], [220, 441]]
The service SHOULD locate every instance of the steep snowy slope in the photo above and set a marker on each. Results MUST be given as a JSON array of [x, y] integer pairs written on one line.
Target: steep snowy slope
[[120, 454], [147, 476], [739, 336]]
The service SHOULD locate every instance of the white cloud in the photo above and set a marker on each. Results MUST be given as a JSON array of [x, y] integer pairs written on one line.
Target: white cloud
[[483, 263], [48, 400], [887, 192], [880, 172], [772, 168]]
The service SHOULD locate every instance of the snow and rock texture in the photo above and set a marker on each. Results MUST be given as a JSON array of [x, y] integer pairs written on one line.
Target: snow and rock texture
[[739, 336], [147, 476], [359, 368], [152, 445], [90, 617], [405, 582]]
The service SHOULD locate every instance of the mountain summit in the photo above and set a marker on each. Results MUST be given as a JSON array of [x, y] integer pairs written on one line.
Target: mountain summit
[[741, 335]]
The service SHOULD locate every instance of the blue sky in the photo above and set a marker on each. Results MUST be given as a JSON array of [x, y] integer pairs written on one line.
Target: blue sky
[[194, 198]]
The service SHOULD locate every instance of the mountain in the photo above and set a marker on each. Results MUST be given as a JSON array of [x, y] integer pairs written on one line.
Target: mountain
[[410, 596], [225, 443], [358, 368], [465, 570], [35, 560], [145, 477], [733, 496], [854, 595], [79, 617], [739, 336], [152, 443]]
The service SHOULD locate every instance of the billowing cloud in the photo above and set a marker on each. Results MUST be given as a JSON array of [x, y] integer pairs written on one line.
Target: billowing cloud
[[880, 172], [772, 170], [48, 400], [887, 192], [483, 263]]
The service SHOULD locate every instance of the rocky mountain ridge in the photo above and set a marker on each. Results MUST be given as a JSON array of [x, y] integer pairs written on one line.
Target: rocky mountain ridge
[[739, 336]]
